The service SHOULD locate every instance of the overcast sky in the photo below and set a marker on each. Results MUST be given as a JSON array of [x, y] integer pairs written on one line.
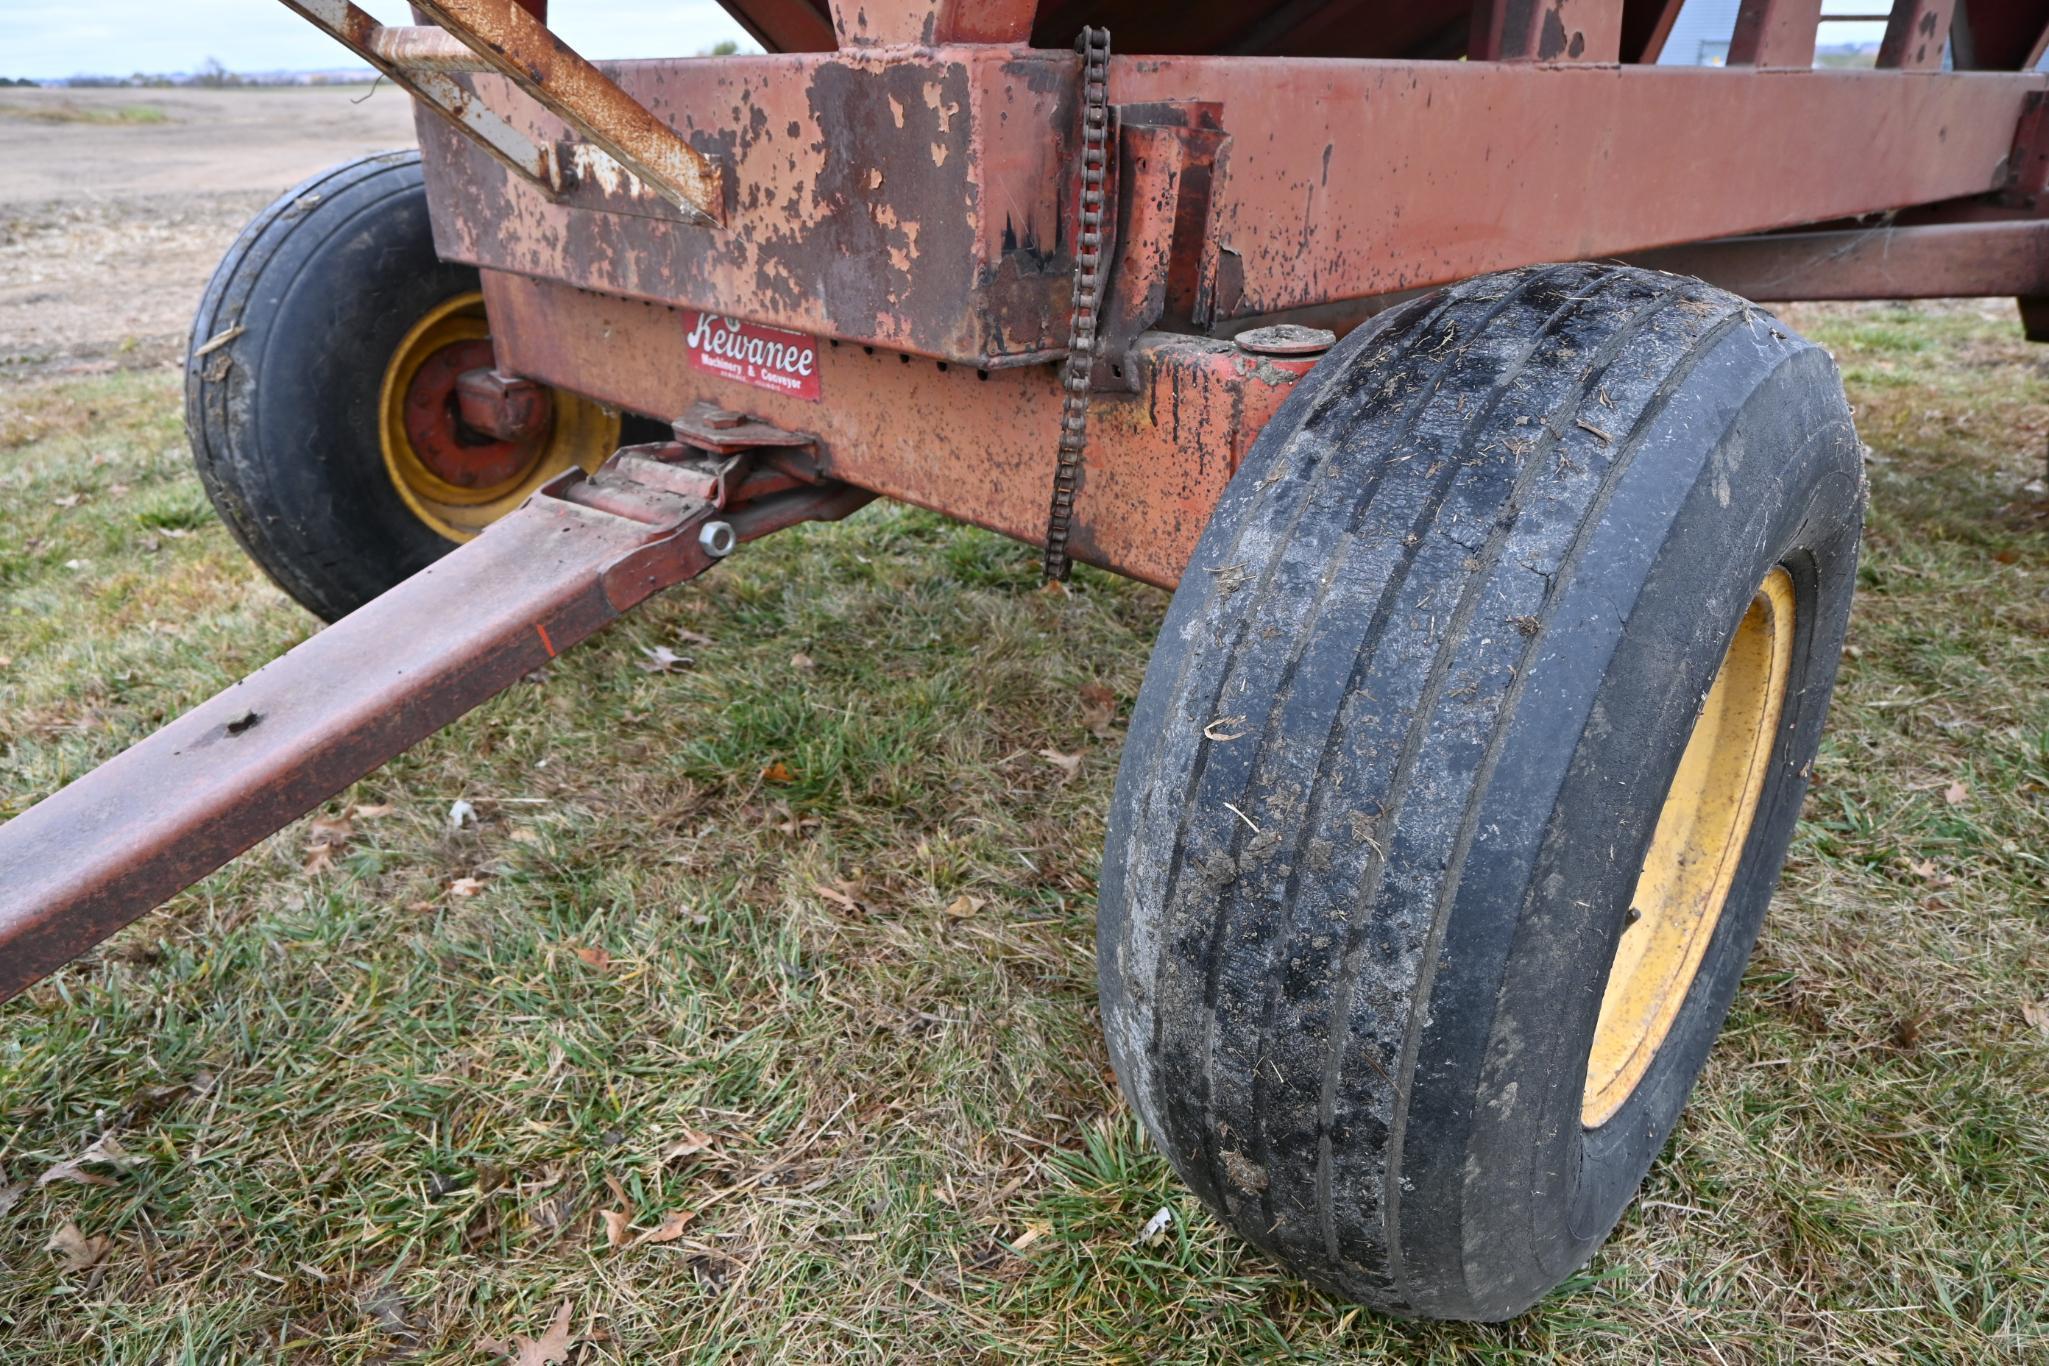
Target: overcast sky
[[49, 38]]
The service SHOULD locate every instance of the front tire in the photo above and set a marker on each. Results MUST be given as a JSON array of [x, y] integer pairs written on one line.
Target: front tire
[[319, 392], [1513, 638]]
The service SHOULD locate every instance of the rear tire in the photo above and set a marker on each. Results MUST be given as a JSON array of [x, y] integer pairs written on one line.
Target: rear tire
[[298, 434], [1413, 722]]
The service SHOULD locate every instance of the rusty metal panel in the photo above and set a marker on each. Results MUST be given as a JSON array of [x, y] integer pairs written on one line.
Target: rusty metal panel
[[1546, 31], [918, 199], [1915, 35], [1775, 33], [931, 23], [2001, 35], [784, 25], [1397, 175], [1922, 261], [975, 445], [915, 204]]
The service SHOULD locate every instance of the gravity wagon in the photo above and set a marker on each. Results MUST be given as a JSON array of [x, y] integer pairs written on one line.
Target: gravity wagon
[[1411, 344]]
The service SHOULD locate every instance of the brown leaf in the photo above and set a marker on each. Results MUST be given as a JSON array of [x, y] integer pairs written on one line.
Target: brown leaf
[[691, 1142], [800, 660], [1068, 764], [962, 906], [1956, 794], [618, 1222], [1098, 709], [693, 638], [75, 1251], [372, 811], [328, 830], [777, 772], [106, 1151], [11, 1195], [1926, 870], [597, 958], [325, 837], [841, 895], [466, 886], [549, 1349], [2036, 1013], [670, 1229]]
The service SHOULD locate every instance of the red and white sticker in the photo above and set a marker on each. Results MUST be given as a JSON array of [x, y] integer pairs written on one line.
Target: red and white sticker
[[765, 357]]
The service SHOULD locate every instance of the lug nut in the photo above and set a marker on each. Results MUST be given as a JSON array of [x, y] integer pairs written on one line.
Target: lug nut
[[717, 539]]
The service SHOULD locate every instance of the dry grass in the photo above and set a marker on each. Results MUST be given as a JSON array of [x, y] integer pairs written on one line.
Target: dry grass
[[373, 1119], [38, 110]]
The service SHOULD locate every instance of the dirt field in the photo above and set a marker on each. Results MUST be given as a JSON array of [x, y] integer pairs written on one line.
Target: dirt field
[[115, 205]]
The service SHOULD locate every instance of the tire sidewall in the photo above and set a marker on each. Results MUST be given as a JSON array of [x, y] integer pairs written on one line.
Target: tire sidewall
[[285, 419], [1788, 446]]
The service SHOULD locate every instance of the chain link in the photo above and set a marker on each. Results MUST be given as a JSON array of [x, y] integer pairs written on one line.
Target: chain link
[[1094, 47]]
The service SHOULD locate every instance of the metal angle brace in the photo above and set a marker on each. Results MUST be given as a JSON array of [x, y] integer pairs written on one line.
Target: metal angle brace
[[628, 157]]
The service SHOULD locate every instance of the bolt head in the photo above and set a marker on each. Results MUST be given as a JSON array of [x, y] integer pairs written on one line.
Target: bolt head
[[717, 539]]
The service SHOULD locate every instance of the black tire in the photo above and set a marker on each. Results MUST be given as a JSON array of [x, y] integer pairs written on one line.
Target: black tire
[[1401, 747]]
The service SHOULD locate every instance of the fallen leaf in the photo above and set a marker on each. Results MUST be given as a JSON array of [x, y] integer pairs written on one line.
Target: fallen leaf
[[69, 500], [10, 1196], [75, 1251], [838, 896], [1956, 794], [800, 660], [106, 1151], [549, 1349], [693, 638], [962, 906], [777, 772], [618, 1222], [1098, 709], [526, 835], [1068, 764], [461, 815], [372, 811], [669, 1230], [691, 1142], [465, 886], [319, 859], [2036, 1013], [661, 660], [329, 830], [596, 957], [1926, 870]]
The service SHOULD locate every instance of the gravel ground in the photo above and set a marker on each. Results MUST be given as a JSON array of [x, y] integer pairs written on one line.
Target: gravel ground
[[115, 205]]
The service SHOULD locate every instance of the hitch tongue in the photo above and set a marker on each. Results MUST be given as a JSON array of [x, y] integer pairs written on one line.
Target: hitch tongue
[[164, 813]]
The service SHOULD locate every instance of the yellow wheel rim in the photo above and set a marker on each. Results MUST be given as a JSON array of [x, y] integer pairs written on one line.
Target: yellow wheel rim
[[1695, 850], [456, 481]]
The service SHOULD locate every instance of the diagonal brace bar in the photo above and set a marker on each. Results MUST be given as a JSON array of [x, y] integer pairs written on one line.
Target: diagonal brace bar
[[156, 818]]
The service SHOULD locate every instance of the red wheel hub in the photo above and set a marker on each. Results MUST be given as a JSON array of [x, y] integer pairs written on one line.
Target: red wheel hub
[[453, 450]]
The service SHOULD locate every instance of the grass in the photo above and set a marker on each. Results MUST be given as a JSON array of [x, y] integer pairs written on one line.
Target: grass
[[706, 967], [67, 111]]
